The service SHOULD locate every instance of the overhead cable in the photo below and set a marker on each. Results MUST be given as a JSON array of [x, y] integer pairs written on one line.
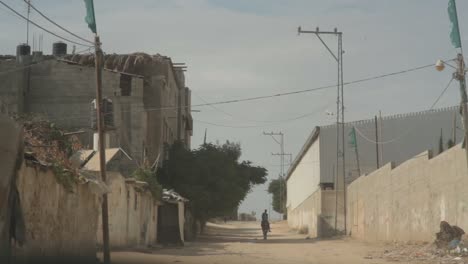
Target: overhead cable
[[56, 24], [46, 30]]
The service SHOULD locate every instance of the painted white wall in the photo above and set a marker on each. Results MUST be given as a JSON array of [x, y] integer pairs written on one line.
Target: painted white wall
[[305, 179]]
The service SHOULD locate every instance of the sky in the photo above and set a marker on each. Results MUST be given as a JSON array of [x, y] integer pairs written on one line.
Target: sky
[[243, 48]]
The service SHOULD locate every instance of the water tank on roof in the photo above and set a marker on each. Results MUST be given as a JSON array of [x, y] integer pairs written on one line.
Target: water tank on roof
[[23, 50], [59, 49]]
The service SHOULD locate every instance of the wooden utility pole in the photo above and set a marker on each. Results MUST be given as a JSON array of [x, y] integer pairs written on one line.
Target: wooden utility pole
[[102, 149], [377, 142]]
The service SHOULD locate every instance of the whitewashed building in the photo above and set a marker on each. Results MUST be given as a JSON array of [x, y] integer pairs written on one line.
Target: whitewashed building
[[312, 202]]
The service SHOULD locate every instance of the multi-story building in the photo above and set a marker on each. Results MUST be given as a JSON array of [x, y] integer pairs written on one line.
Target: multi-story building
[[151, 104]]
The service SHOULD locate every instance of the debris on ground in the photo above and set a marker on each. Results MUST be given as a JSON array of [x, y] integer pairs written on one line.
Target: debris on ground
[[447, 248], [449, 237]]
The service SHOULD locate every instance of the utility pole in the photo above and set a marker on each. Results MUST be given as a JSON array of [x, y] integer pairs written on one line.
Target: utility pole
[[102, 148], [282, 198], [454, 129], [381, 147], [377, 143], [281, 154], [460, 76], [340, 123], [27, 22], [354, 144]]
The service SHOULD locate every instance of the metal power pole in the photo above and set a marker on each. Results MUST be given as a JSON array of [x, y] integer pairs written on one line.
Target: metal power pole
[[377, 142], [340, 123], [27, 22], [102, 149], [281, 154]]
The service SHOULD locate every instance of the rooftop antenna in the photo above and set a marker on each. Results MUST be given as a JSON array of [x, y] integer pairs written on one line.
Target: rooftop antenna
[[27, 22]]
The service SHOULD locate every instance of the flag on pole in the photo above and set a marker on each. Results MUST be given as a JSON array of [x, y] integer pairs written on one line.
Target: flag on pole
[[90, 17], [455, 33], [352, 138]]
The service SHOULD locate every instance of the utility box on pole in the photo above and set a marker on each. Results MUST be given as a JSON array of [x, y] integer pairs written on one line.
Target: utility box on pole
[[108, 113]]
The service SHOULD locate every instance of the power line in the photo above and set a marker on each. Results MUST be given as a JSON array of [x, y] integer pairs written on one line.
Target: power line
[[53, 22], [441, 94], [268, 96], [407, 131], [46, 30], [317, 88], [259, 121]]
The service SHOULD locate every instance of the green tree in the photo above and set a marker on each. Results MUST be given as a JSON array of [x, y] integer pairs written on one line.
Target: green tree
[[278, 189], [148, 176], [211, 177]]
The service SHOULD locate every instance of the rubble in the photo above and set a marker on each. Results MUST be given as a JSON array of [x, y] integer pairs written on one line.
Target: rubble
[[449, 236], [47, 146]]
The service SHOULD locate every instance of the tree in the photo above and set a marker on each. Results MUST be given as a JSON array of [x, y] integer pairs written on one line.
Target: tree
[[211, 177], [279, 198]]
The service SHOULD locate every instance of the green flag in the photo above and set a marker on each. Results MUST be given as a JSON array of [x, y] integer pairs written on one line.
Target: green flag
[[455, 33], [352, 138], [90, 17]]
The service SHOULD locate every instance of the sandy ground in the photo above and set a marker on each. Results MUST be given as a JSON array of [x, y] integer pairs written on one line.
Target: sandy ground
[[241, 242]]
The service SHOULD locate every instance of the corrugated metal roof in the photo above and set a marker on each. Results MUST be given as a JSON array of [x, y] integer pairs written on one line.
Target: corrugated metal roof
[[93, 163]]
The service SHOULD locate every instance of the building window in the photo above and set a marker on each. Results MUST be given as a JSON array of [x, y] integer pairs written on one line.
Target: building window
[[125, 85]]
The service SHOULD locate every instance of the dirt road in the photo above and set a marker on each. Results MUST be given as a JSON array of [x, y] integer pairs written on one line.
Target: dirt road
[[239, 242]]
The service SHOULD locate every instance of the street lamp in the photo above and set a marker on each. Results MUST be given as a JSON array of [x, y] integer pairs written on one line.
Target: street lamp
[[440, 65]]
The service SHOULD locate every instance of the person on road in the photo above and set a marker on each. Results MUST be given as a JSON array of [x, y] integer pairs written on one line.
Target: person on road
[[265, 222]]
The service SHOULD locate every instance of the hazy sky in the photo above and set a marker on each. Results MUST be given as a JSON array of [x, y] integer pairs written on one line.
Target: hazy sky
[[243, 48]]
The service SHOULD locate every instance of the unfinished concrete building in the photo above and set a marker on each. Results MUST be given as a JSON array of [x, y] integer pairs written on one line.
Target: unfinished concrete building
[[151, 104]]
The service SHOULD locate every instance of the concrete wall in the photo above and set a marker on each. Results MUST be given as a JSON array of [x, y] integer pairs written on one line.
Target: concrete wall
[[13, 84], [305, 179], [406, 135], [317, 214], [305, 215], [59, 223], [408, 202], [132, 215], [11, 152]]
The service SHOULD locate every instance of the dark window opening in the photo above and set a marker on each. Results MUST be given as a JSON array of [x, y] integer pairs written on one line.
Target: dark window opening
[[125, 85]]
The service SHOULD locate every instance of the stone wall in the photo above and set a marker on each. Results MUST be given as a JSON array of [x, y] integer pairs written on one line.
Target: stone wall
[[59, 224], [133, 214], [407, 203]]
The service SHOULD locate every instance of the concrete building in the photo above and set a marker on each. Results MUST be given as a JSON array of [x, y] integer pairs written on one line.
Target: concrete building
[[151, 104], [311, 183]]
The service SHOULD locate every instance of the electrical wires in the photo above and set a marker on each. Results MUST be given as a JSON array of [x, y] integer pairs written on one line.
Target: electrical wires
[[56, 24], [46, 30]]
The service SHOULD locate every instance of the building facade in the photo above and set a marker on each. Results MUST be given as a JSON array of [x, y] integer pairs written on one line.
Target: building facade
[[151, 104]]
